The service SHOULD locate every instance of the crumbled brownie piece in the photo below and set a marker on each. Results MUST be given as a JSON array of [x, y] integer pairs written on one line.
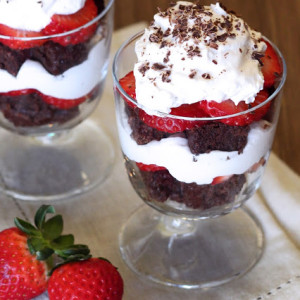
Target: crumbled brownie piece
[[56, 58], [141, 132], [30, 110], [100, 5], [208, 137], [11, 60], [161, 186], [217, 136]]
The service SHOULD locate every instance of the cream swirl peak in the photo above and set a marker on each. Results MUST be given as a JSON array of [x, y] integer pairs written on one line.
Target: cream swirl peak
[[192, 52], [34, 15]]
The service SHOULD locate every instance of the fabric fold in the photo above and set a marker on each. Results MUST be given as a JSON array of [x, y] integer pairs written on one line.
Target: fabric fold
[[281, 192]]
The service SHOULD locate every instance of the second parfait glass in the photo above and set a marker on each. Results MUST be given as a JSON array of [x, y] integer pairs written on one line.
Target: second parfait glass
[[50, 85], [194, 231]]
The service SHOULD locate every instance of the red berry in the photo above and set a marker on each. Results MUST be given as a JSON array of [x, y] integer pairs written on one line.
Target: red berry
[[173, 125], [128, 85], [63, 103], [149, 168], [22, 276], [64, 23], [16, 43], [220, 179], [88, 279], [272, 67], [215, 109], [57, 102]]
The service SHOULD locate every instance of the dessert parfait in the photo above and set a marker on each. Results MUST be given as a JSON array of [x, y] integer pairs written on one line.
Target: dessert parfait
[[53, 61], [197, 111]]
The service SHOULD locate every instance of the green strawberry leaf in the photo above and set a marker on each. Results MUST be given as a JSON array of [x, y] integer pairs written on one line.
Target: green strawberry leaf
[[36, 243], [73, 250], [41, 213], [53, 228], [26, 227], [44, 253], [63, 241]]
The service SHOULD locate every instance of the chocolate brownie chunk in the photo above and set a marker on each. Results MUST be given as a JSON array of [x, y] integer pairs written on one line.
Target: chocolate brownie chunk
[[31, 110], [11, 60], [217, 136], [56, 58], [100, 5], [141, 132], [161, 186], [208, 137]]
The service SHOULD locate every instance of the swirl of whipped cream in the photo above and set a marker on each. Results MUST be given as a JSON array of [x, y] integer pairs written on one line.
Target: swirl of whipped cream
[[191, 53], [34, 15]]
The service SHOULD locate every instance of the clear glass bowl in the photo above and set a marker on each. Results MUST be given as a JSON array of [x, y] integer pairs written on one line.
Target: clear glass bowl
[[50, 88], [194, 186]]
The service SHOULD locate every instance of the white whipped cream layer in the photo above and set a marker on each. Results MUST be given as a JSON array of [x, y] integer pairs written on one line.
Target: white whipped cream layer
[[200, 64], [74, 83], [174, 154], [34, 15]]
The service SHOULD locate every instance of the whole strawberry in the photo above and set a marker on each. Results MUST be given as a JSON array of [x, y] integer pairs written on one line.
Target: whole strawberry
[[27, 251], [95, 278], [22, 276]]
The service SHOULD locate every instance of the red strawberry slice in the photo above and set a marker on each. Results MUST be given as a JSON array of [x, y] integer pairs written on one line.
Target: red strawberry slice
[[220, 179], [63, 103], [271, 68], [128, 85], [57, 102], [64, 23], [215, 109], [173, 125], [150, 168], [16, 43]]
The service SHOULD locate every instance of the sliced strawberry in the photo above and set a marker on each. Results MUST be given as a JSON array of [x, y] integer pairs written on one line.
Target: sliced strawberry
[[220, 179], [271, 68], [150, 168], [215, 109], [64, 23], [128, 85], [16, 43], [57, 102], [173, 125], [63, 103]]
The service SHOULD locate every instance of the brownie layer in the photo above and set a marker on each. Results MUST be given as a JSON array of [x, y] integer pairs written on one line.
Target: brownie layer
[[203, 139], [161, 186], [30, 110], [54, 57]]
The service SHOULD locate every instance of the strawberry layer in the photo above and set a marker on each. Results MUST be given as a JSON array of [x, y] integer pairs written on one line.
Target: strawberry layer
[[174, 154], [74, 83]]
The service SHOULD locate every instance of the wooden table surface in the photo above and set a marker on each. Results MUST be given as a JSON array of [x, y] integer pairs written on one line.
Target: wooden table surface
[[278, 20]]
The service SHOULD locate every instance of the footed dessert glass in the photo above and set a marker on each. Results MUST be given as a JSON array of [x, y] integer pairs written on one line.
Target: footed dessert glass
[[48, 88], [195, 231]]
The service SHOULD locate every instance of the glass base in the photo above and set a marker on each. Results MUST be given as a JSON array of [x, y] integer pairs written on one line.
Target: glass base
[[54, 166], [191, 253]]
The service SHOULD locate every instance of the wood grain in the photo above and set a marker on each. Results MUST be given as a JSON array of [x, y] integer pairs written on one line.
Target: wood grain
[[280, 22]]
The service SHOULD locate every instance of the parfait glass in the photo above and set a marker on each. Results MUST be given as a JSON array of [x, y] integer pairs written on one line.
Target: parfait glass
[[49, 151], [194, 231]]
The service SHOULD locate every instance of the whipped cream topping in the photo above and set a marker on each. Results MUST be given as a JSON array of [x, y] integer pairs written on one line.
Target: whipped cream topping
[[34, 15], [192, 53]]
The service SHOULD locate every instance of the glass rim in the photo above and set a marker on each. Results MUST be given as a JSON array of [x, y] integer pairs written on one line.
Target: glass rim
[[163, 114], [66, 33]]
